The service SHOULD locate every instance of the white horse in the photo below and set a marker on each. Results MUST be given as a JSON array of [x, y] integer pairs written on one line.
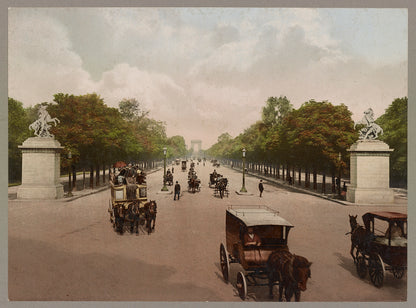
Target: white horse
[[41, 126], [372, 130]]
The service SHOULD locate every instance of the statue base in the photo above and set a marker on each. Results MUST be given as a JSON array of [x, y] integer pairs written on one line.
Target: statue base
[[40, 169], [369, 163]]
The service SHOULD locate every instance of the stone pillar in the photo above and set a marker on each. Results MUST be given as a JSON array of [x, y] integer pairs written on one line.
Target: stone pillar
[[41, 169], [370, 181]]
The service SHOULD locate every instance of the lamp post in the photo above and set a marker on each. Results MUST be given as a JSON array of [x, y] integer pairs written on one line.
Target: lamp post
[[164, 188], [243, 189], [69, 174], [339, 174]]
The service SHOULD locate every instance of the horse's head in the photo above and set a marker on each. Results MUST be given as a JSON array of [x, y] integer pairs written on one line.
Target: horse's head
[[301, 271], [353, 222]]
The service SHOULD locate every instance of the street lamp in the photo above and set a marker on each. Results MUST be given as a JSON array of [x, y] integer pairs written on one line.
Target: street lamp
[[243, 189], [164, 188], [69, 174], [339, 174]]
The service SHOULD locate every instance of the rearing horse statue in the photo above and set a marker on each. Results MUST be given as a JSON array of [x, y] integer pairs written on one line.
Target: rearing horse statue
[[41, 126], [372, 130]]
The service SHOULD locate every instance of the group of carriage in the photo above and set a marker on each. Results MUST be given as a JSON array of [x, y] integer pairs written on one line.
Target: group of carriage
[[128, 205], [219, 183], [267, 261]]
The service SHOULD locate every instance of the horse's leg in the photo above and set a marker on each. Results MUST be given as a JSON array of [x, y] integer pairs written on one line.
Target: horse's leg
[[154, 222], [297, 296], [280, 291], [352, 251], [288, 293]]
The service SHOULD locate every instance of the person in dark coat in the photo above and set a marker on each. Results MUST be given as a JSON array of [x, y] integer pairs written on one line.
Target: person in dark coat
[[261, 188], [177, 190]]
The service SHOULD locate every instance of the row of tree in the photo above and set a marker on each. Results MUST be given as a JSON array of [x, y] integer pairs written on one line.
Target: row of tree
[[95, 134], [315, 137]]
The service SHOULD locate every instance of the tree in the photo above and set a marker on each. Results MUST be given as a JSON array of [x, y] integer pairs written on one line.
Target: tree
[[18, 126], [275, 110], [130, 109], [315, 134], [394, 124]]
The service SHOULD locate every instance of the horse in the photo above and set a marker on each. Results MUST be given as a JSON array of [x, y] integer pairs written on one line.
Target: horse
[[41, 126], [372, 130], [359, 237], [119, 218], [290, 270], [150, 210], [221, 186], [134, 217]]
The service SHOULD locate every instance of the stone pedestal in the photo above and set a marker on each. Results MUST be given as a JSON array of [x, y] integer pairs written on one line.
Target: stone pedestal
[[40, 169], [369, 173]]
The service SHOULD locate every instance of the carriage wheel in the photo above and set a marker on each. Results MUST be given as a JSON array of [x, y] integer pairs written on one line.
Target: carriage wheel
[[376, 270], [361, 267], [225, 263], [398, 272], [241, 285]]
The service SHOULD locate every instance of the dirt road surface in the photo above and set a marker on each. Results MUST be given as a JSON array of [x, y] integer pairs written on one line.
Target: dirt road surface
[[68, 251]]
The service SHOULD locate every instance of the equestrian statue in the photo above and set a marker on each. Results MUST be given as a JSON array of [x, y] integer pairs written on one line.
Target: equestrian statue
[[41, 125]]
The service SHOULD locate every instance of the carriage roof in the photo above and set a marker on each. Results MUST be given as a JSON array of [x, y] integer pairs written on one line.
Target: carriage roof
[[257, 215], [385, 215]]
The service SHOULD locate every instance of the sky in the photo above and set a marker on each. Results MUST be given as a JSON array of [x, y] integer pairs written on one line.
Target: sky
[[207, 71]]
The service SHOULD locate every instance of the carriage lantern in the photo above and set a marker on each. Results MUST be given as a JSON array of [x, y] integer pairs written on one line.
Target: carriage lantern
[[69, 174], [243, 188], [164, 188]]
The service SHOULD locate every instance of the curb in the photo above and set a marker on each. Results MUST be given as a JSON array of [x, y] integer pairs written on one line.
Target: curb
[[278, 183], [83, 193]]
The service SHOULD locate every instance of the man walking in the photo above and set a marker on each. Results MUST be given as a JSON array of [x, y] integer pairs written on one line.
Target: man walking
[[261, 188], [177, 190]]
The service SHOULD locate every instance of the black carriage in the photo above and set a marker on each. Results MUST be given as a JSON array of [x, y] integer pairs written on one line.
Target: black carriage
[[184, 165], [386, 234], [169, 178], [273, 231]]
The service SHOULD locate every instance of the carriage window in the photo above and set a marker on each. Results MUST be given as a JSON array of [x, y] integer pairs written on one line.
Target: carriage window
[[142, 192], [119, 195]]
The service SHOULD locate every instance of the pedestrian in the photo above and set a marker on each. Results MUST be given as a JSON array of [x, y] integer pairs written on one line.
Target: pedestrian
[[173, 169], [261, 188], [177, 190]]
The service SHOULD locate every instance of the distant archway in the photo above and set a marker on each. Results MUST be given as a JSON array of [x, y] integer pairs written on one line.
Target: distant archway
[[198, 143]]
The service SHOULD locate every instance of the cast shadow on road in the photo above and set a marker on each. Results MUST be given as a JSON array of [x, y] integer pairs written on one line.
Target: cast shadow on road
[[389, 281], [254, 293], [49, 272]]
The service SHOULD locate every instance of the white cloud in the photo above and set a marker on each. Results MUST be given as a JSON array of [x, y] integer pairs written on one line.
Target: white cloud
[[202, 78]]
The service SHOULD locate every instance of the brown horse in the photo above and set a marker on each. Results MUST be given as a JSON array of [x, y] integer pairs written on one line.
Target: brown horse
[[291, 271], [359, 237], [150, 210]]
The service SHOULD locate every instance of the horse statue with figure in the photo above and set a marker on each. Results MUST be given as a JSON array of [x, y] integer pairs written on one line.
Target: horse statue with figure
[[150, 210], [371, 130], [41, 125], [291, 271]]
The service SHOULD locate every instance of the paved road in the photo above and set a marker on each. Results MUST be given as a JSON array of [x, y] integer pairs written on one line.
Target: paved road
[[69, 251]]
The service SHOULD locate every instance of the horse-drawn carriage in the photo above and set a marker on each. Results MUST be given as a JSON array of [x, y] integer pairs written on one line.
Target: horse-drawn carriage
[[194, 184], [378, 251], [221, 187], [169, 178], [256, 238], [128, 205], [184, 165]]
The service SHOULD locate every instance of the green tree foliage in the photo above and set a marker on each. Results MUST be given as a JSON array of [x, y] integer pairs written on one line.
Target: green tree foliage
[[18, 125], [176, 146], [315, 134], [130, 109], [394, 124], [275, 110]]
